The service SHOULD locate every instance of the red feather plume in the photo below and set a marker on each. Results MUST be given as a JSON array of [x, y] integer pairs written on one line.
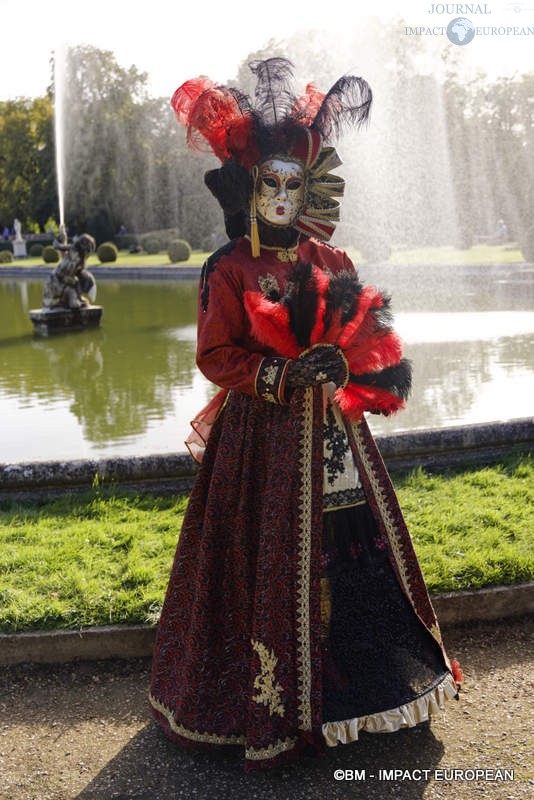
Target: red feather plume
[[269, 324], [212, 113], [307, 106], [356, 398]]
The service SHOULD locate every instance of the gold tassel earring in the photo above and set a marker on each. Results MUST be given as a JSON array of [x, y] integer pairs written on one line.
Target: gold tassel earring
[[254, 235]]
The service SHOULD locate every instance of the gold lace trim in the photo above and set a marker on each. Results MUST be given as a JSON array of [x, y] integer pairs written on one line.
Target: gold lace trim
[[269, 752], [303, 580], [255, 754], [195, 736], [269, 694]]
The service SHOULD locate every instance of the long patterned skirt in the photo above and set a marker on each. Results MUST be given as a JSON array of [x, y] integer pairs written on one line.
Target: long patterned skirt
[[284, 625]]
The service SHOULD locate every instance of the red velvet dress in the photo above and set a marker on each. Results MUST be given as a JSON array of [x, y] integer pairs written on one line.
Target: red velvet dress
[[293, 615]]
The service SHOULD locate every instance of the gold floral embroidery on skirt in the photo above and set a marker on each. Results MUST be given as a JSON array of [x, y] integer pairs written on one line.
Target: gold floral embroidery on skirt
[[269, 689]]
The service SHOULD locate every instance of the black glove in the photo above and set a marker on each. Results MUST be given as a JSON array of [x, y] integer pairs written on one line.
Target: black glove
[[322, 364]]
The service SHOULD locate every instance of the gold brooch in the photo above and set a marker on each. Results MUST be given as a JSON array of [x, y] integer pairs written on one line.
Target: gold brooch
[[287, 255]]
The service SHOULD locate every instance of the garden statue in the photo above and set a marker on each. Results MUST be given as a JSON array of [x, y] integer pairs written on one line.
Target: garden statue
[[70, 283], [19, 245], [69, 291]]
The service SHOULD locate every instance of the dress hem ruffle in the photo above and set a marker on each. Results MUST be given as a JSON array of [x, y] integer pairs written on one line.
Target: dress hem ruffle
[[405, 716]]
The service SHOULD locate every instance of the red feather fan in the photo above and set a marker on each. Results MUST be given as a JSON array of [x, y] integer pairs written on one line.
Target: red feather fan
[[379, 377]]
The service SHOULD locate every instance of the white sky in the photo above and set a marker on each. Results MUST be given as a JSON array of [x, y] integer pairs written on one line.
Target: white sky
[[173, 41]]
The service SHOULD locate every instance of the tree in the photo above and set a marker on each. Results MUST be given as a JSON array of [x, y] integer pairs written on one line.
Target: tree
[[27, 172]]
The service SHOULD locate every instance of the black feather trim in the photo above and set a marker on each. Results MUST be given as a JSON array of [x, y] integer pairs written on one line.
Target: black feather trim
[[348, 102], [397, 379]]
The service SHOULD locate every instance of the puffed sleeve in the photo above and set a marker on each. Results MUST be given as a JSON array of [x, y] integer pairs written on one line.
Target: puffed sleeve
[[222, 330]]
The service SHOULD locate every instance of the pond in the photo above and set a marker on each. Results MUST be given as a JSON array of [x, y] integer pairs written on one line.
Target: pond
[[131, 387]]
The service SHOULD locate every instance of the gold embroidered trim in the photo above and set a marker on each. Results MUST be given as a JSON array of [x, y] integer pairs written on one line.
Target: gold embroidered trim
[[212, 738], [269, 752], [385, 513], [195, 736], [303, 579], [269, 694], [389, 524]]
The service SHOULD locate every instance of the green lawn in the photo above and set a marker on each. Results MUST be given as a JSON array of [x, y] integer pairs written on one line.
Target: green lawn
[[481, 254], [124, 260], [102, 558]]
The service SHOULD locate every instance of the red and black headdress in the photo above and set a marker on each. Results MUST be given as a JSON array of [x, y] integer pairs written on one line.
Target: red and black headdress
[[243, 132]]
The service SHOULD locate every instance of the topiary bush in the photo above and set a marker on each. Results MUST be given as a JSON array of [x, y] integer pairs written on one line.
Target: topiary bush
[[150, 244], [36, 250], [107, 252], [6, 257], [163, 235], [50, 255], [125, 241], [179, 250]]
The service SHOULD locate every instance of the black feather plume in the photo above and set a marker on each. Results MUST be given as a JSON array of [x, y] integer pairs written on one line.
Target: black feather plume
[[274, 98], [301, 299], [397, 379], [343, 293], [348, 102], [382, 315]]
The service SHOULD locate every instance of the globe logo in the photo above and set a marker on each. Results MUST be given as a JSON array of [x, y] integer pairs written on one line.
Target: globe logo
[[460, 31]]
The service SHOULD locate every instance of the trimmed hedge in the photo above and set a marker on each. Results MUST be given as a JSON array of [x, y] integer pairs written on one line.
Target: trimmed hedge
[[50, 255], [107, 252], [151, 244], [36, 250], [179, 250], [6, 256]]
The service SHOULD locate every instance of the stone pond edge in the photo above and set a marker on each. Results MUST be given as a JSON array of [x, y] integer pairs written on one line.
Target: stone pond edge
[[136, 641], [434, 449]]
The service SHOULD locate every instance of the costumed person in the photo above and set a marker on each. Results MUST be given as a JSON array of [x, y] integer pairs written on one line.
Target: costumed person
[[296, 614], [71, 285]]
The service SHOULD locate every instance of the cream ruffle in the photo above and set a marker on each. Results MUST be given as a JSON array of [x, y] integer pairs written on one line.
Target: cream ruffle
[[406, 716]]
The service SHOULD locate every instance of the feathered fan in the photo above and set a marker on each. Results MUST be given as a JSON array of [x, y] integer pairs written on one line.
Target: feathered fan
[[320, 308]]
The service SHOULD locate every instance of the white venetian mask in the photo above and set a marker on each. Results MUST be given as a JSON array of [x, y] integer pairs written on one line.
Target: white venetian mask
[[280, 191]]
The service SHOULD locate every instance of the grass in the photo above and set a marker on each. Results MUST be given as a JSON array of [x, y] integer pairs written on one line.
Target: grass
[[104, 557], [480, 254], [124, 260]]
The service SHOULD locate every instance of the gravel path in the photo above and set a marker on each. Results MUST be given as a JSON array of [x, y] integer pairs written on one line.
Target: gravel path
[[83, 731]]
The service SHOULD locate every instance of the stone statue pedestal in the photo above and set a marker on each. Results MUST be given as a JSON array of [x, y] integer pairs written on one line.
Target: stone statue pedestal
[[19, 249], [48, 321]]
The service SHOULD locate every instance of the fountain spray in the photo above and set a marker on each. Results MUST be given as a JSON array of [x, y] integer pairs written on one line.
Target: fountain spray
[[60, 63]]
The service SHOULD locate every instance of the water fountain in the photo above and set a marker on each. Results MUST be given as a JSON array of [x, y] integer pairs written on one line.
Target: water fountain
[[70, 290], [468, 328]]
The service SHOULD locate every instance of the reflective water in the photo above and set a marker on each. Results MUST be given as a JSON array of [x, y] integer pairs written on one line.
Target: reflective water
[[132, 386]]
